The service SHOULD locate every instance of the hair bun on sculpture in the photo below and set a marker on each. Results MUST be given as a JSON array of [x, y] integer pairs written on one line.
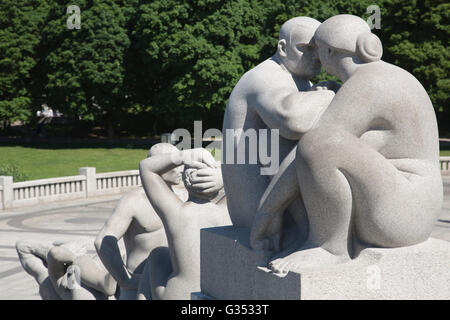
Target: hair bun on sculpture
[[369, 47]]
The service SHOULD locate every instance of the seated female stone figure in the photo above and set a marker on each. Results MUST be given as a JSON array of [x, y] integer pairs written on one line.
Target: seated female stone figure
[[369, 172], [174, 272]]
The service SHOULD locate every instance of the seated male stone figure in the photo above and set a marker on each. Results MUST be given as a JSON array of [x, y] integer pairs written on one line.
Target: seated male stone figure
[[273, 95], [369, 172], [64, 271], [174, 272], [134, 220]]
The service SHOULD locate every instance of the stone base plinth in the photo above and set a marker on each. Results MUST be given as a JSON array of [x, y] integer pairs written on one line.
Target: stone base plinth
[[229, 270]]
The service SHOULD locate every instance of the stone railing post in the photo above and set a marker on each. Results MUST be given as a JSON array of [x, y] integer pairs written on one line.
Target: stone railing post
[[91, 180], [8, 196], [445, 165], [168, 138]]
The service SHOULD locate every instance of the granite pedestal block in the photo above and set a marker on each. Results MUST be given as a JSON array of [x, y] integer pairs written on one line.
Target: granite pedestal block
[[229, 270]]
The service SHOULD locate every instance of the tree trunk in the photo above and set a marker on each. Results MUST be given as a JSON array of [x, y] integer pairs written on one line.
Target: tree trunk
[[110, 127]]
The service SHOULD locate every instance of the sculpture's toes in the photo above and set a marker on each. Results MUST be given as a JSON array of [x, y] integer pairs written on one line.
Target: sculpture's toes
[[274, 263], [284, 269], [279, 267]]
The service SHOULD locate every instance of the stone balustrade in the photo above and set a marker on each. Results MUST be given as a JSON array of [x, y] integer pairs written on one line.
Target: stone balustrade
[[85, 185], [445, 165], [117, 181]]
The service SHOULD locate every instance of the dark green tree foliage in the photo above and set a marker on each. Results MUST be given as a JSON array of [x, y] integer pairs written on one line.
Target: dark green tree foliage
[[192, 53], [20, 25], [84, 68], [169, 62], [415, 37]]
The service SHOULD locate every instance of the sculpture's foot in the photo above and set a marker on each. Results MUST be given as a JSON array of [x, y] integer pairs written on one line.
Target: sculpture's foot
[[301, 259]]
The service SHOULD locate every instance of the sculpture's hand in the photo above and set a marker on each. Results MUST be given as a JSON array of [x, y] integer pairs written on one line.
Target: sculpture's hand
[[201, 155], [326, 85], [207, 180], [64, 282]]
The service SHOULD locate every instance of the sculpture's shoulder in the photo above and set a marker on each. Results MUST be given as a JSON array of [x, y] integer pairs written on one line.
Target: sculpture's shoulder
[[205, 215], [136, 201], [250, 84], [260, 77], [387, 77], [142, 214], [387, 83], [134, 195]]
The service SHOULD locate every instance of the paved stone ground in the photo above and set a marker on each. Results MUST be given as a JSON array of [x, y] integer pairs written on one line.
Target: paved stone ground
[[442, 229], [79, 220], [82, 220]]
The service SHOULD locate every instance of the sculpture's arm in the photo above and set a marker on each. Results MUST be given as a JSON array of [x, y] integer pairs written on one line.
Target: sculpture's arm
[[292, 112], [107, 245], [166, 204], [95, 277], [145, 286], [162, 198]]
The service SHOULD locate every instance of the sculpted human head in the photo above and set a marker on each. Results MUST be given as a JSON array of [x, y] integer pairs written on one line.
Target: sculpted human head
[[344, 42], [171, 177], [296, 48]]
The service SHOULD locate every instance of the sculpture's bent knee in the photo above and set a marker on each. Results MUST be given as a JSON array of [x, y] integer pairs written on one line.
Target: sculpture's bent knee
[[318, 142], [23, 246]]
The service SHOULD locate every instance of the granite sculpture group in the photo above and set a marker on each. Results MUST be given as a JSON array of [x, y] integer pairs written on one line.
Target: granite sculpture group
[[358, 188]]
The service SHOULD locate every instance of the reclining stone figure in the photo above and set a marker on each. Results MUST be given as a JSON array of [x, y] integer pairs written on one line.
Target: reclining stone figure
[[64, 271]]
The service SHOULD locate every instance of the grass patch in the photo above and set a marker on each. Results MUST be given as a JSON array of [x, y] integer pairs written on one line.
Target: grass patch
[[45, 162], [40, 163]]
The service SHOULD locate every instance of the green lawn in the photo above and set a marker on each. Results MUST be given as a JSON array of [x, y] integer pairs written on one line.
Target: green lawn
[[39, 163]]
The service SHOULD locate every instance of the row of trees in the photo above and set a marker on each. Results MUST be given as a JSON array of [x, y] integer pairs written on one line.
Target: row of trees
[[169, 62]]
